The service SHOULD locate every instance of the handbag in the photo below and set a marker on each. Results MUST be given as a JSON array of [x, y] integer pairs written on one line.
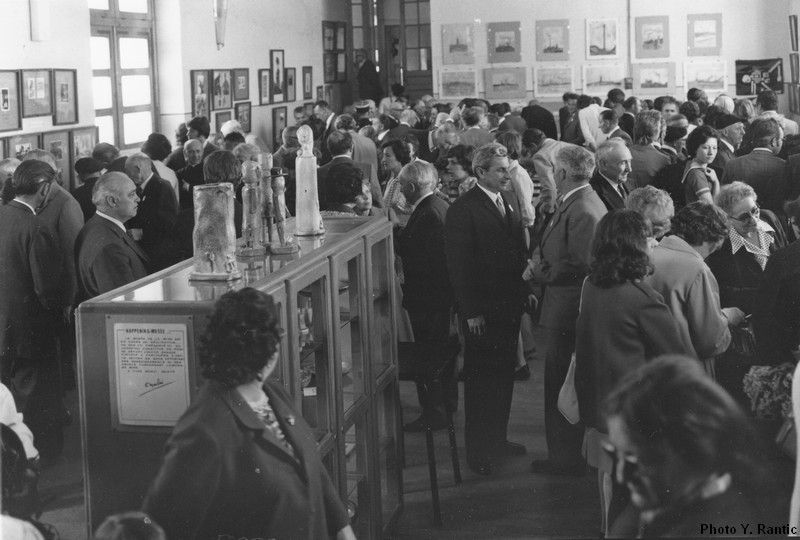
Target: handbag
[[743, 339], [568, 397]]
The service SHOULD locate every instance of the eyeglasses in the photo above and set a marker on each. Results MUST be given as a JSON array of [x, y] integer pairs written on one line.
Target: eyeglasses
[[630, 463], [753, 213]]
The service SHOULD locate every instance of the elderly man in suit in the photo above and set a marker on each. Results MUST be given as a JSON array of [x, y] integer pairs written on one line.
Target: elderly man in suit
[[106, 256], [326, 116], [609, 124], [544, 151], [340, 146], [427, 294], [731, 133], [613, 167], [566, 249], [158, 211], [364, 150], [485, 249], [192, 174]]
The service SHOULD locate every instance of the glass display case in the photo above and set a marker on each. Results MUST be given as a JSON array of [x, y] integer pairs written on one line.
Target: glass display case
[[338, 360]]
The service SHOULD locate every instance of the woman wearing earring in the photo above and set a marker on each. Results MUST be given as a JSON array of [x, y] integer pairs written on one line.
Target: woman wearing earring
[[241, 462]]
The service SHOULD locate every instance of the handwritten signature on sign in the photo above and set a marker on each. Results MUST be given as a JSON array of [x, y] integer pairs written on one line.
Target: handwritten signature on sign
[[150, 386]]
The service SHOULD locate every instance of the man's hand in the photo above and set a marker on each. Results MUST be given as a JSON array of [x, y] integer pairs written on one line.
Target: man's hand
[[477, 325], [532, 303], [527, 275]]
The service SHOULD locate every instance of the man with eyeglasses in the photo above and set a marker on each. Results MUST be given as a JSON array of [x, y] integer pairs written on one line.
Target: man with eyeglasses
[[762, 168]]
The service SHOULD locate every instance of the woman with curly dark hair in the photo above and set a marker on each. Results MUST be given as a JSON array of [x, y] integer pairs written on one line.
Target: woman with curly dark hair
[[241, 463], [394, 154], [459, 168], [622, 323]]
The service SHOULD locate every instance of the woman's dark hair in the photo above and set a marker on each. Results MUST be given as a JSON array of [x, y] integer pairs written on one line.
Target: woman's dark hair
[[400, 150], [129, 526], [700, 222], [512, 140], [241, 337], [619, 249], [27, 178], [463, 155], [698, 138], [157, 147], [345, 182], [671, 402]]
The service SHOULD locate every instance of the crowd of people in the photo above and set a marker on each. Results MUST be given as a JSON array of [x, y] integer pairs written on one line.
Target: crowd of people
[[628, 229]]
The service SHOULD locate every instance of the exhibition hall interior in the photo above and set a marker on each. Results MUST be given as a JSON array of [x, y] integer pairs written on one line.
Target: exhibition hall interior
[[412, 269]]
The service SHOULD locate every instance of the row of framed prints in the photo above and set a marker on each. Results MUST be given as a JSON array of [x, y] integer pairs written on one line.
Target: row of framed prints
[[67, 146], [554, 80], [651, 39], [28, 93], [241, 112]]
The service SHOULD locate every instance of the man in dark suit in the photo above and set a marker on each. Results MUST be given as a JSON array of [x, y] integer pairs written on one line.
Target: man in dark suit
[[427, 294], [340, 146], [364, 150], [369, 84], [158, 210], [192, 174], [88, 170], [105, 255], [537, 117], [485, 249], [762, 169], [508, 121], [609, 124], [326, 116], [731, 132], [632, 107], [566, 248], [613, 167], [200, 129]]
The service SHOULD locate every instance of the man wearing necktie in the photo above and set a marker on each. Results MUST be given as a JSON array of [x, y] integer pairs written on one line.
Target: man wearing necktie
[[613, 168], [565, 254], [485, 250]]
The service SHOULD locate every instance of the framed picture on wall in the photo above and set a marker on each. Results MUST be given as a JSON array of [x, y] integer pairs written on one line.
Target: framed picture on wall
[[457, 84], [458, 44], [66, 97], [503, 42], [793, 31], [222, 89], [504, 83], [754, 76], [198, 79], [221, 117], [709, 75], [328, 36], [37, 93], [602, 38], [278, 124], [243, 115], [83, 142], [794, 65], [552, 81], [20, 145], [704, 34], [654, 78], [278, 86], [241, 84], [341, 36], [598, 79], [329, 67], [308, 83], [319, 93], [652, 37], [291, 84], [264, 86], [552, 40], [341, 67], [10, 112], [57, 143]]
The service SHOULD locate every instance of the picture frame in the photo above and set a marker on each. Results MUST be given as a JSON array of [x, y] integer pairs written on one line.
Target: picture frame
[[329, 67], [709, 75], [328, 36], [653, 78], [552, 40], [598, 79], [278, 85], [458, 44], [37, 93], [704, 34], [222, 92], [199, 83], [20, 145], [278, 124], [457, 84], [341, 67], [503, 42], [308, 82], [241, 84], [319, 93], [754, 76], [794, 66], [264, 86], [82, 142], [243, 114], [793, 32], [10, 107], [652, 37], [341, 36], [553, 81], [505, 83], [65, 97], [291, 84], [221, 117], [57, 143], [794, 95], [602, 38]]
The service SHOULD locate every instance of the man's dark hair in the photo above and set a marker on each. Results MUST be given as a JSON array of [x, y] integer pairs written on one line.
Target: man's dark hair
[[472, 116], [531, 137], [662, 100], [221, 166], [691, 110], [201, 125], [105, 153], [339, 142], [463, 155], [568, 96], [767, 100], [700, 222], [584, 101], [345, 122], [345, 182], [610, 116], [616, 95], [629, 103], [695, 94], [762, 130], [234, 137]]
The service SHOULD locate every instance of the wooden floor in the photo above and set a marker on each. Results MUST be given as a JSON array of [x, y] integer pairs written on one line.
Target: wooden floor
[[513, 503]]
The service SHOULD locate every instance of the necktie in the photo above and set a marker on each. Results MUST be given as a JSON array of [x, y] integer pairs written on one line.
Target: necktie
[[622, 192], [139, 192], [500, 205]]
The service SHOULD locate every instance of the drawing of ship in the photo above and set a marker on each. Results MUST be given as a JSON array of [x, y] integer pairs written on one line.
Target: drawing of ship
[[601, 82], [458, 47], [552, 47], [654, 80]]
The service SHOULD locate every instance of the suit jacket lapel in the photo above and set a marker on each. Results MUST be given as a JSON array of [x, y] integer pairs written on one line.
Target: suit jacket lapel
[[130, 242], [560, 210], [491, 207]]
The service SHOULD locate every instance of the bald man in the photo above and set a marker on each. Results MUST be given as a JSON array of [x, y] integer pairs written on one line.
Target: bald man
[[158, 211], [192, 174], [613, 168], [105, 255]]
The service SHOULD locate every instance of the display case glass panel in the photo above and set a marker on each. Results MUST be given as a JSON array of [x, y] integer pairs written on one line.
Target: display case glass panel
[[382, 318], [388, 453], [357, 496]]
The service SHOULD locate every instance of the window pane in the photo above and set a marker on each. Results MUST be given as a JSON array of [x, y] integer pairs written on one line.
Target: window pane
[[412, 59], [411, 13], [424, 12], [101, 53], [424, 59], [425, 35], [133, 53], [135, 90], [137, 126], [133, 6], [357, 15], [358, 38], [106, 125], [101, 88], [98, 4], [412, 36]]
